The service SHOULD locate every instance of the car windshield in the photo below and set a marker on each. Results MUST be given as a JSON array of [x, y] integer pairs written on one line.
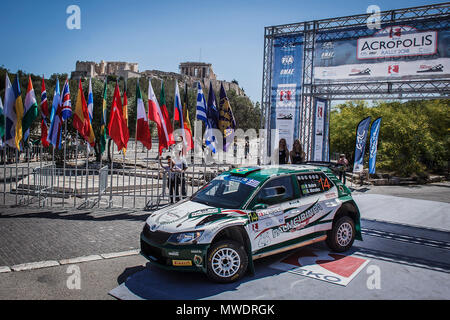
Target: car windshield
[[226, 191]]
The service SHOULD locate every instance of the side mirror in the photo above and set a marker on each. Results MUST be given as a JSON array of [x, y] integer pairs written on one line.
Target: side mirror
[[260, 206]]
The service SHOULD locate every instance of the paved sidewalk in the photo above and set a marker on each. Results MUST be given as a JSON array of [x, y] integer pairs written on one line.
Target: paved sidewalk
[[32, 234]]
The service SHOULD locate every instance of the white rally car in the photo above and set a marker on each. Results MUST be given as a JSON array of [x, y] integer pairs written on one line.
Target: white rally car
[[248, 213]]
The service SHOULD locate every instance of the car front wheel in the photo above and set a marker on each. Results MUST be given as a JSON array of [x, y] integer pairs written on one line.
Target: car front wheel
[[341, 237], [227, 261]]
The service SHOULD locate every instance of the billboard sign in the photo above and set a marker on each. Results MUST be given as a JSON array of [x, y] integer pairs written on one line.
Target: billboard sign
[[396, 52], [320, 130], [286, 88]]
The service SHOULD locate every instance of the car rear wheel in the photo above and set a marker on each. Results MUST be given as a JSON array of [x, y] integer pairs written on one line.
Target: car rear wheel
[[227, 261], [341, 237]]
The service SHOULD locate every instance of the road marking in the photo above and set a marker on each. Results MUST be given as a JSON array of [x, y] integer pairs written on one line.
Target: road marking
[[5, 269], [80, 259], [120, 254], [54, 263], [34, 265]]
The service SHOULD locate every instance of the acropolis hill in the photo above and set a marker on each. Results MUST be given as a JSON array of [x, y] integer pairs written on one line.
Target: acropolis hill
[[190, 73]]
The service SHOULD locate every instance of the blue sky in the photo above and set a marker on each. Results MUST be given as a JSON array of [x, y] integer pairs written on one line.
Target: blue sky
[[159, 34]]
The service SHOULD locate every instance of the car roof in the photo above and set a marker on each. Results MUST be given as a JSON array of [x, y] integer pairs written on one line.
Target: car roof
[[262, 173]]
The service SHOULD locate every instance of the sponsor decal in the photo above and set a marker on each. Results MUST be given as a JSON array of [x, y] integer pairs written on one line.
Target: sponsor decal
[[322, 265], [297, 222], [423, 68], [181, 263], [173, 253], [264, 240], [204, 212], [196, 251], [330, 195], [198, 260], [267, 213], [397, 41]]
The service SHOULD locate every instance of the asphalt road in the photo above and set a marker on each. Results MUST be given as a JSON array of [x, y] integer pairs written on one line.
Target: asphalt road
[[414, 262]]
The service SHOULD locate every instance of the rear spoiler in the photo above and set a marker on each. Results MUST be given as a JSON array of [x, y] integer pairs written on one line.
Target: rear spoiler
[[333, 166]]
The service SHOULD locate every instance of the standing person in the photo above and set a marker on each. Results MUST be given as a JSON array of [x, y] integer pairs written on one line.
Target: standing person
[[297, 154], [170, 176], [282, 151], [247, 147], [180, 167], [344, 163]]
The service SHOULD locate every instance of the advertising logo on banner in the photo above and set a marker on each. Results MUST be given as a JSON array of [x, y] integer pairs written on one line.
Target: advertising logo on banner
[[286, 88], [414, 51], [374, 132], [361, 137], [320, 130]]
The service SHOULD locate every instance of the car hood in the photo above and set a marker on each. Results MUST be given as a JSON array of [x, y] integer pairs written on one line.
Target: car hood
[[189, 215]]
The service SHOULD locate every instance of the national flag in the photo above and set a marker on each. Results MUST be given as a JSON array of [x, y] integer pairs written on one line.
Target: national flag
[[66, 112], [126, 133], [142, 128], [116, 122], [19, 112], [44, 113], [201, 104], [212, 120], [186, 121], [103, 135], [227, 123], [81, 120], [178, 109], [90, 102], [10, 114], [44, 103], [161, 117], [54, 132], [31, 107]]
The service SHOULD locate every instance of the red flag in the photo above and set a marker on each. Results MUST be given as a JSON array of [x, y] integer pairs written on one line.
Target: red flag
[[126, 133], [116, 121], [44, 133], [142, 128], [161, 117]]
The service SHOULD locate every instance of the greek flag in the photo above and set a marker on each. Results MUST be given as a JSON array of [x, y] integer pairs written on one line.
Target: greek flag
[[201, 104]]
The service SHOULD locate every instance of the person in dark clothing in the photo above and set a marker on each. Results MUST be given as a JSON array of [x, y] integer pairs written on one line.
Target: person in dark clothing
[[283, 152], [297, 154], [344, 163]]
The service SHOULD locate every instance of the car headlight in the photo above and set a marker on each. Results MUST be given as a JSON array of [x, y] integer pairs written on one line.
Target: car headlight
[[185, 237]]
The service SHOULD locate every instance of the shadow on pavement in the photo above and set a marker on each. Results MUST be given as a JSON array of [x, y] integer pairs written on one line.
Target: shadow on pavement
[[153, 283]]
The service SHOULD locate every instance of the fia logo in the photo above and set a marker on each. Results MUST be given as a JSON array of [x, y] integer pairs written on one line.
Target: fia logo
[[286, 60]]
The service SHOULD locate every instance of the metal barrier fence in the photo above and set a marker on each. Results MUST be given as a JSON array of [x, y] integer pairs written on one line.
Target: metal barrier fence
[[34, 178]]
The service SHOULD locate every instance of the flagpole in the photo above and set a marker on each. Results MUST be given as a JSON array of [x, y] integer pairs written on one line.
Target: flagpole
[[64, 164], [17, 160], [112, 164], [76, 171], [99, 176], [87, 171]]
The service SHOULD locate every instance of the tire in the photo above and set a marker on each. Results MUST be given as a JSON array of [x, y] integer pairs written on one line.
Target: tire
[[341, 237], [227, 261]]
